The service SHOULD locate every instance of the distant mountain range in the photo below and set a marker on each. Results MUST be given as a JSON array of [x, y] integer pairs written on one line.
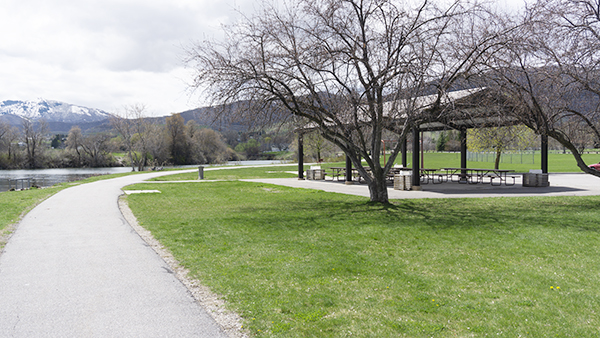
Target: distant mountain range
[[61, 117], [51, 111]]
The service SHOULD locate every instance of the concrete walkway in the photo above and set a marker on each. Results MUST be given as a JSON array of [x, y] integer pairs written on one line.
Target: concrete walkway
[[75, 268], [572, 184]]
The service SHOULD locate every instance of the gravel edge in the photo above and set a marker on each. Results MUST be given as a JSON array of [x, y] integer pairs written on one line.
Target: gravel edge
[[214, 305]]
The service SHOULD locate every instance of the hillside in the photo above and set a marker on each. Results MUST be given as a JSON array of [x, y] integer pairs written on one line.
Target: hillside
[[61, 117]]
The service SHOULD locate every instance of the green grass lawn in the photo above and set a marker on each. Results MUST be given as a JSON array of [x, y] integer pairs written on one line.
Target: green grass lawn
[[15, 203], [305, 263], [556, 162]]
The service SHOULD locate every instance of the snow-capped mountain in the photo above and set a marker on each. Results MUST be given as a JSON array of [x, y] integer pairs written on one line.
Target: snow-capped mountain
[[51, 111]]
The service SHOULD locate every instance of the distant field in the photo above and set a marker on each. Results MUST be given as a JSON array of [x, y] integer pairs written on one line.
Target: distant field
[[556, 163]]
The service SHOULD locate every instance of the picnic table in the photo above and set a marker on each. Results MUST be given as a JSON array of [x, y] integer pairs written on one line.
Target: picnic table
[[337, 172], [479, 175], [341, 172], [427, 174], [461, 175]]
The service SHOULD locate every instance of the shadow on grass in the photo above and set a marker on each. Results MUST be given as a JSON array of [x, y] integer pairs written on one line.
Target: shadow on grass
[[277, 207], [320, 210]]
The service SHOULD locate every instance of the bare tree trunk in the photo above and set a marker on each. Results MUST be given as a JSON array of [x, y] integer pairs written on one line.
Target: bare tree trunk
[[498, 156], [378, 190], [567, 144], [33, 139]]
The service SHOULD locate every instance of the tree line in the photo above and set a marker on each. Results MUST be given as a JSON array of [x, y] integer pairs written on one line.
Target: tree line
[[134, 141]]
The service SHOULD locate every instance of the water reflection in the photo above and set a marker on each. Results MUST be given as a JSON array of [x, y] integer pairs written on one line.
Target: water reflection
[[47, 177]]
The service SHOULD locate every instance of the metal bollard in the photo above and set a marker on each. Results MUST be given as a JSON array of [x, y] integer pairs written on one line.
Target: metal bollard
[[201, 173]]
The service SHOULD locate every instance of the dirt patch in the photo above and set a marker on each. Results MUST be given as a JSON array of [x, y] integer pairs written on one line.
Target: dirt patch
[[214, 305]]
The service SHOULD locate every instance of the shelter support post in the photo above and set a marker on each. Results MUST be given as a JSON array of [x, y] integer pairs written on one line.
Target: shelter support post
[[348, 170], [403, 151], [300, 156], [416, 172], [422, 147], [544, 153], [463, 154]]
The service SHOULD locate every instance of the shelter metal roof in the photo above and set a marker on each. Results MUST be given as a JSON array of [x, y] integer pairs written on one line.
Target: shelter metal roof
[[460, 109]]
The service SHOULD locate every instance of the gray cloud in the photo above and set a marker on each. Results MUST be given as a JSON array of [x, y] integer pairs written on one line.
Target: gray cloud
[[105, 54]]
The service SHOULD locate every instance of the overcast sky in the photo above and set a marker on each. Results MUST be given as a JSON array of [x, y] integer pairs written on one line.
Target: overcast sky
[[107, 53]]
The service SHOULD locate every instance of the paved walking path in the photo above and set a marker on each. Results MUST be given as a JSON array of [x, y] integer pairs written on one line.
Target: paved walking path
[[75, 268]]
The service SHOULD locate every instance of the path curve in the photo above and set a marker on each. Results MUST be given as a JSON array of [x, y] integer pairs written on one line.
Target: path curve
[[74, 267]]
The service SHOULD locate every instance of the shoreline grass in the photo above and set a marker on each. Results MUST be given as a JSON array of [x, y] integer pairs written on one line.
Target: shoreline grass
[[14, 204], [297, 263]]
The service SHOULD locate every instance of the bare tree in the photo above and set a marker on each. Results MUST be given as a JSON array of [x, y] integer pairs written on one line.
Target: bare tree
[[4, 128], [179, 141], [191, 128], [33, 139], [350, 68], [316, 145], [74, 142], [157, 145], [4, 143], [10, 138], [499, 139], [134, 128], [208, 146], [547, 73], [96, 149]]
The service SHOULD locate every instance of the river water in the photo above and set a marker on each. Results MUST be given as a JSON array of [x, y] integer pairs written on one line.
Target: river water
[[24, 178], [47, 177]]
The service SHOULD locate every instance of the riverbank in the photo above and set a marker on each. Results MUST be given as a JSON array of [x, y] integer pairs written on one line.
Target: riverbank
[[26, 178]]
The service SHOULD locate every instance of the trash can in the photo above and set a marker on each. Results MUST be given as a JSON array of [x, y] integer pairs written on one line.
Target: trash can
[[402, 182], [319, 174], [315, 174], [535, 178], [200, 172]]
